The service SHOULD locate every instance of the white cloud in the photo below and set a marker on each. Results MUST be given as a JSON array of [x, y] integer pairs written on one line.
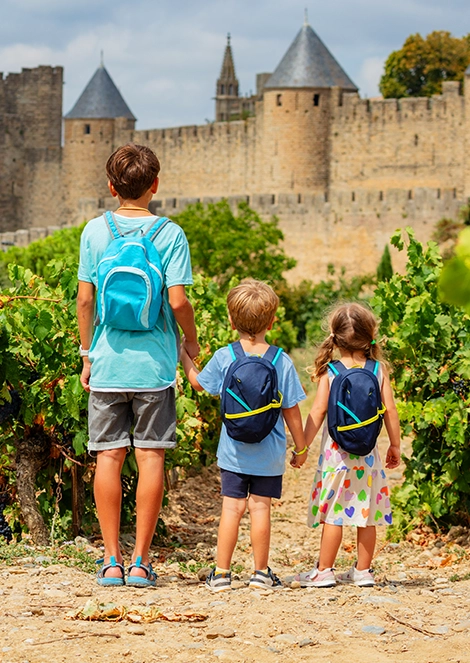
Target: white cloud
[[369, 76]]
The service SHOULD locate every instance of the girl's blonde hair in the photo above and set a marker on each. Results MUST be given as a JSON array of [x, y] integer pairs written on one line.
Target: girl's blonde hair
[[353, 327]]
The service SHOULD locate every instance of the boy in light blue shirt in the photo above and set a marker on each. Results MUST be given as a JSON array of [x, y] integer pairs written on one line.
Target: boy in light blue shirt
[[252, 471], [131, 374]]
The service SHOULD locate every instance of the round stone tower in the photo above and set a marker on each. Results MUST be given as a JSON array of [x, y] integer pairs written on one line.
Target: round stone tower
[[99, 122], [297, 109]]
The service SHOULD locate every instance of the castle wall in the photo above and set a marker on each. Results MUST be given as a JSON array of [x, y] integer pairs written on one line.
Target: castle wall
[[319, 230], [404, 143], [30, 147], [218, 159]]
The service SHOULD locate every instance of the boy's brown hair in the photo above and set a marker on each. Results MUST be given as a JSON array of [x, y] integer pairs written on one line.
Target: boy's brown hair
[[252, 306], [132, 170]]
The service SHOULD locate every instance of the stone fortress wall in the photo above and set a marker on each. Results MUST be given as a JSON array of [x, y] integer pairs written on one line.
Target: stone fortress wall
[[341, 173]]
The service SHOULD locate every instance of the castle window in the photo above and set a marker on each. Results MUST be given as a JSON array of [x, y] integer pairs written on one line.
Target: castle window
[[316, 99], [179, 132], [381, 195], [353, 196], [279, 100], [299, 198], [87, 129], [410, 195], [416, 139], [230, 89], [438, 194], [222, 89]]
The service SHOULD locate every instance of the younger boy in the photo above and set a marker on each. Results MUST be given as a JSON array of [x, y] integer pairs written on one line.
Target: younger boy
[[131, 374], [252, 471]]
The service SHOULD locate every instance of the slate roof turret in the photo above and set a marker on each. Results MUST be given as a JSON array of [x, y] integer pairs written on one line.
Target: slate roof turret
[[100, 100], [308, 63]]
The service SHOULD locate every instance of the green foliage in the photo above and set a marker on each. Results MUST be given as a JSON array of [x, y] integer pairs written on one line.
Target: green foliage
[[226, 245], [421, 65], [63, 245], [385, 269], [306, 304], [427, 343], [454, 283]]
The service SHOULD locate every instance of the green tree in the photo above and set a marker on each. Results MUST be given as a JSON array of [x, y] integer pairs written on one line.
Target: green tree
[[224, 244], [385, 269], [421, 65]]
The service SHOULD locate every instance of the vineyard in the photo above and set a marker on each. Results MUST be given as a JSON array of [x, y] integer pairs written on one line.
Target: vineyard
[[45, 473]]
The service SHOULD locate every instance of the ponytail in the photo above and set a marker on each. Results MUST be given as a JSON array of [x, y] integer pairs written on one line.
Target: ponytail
[[324, 356]]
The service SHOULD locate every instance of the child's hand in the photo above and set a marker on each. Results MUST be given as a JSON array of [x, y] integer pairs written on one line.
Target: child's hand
[[297, 460], [392, 459]]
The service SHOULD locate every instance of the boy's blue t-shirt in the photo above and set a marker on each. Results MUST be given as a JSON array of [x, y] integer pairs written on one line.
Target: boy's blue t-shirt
[[268, 457], [129, 360]]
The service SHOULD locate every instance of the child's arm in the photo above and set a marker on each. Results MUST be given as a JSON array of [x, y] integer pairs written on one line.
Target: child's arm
[[184, 316], [190, 369], [392, 423], [319, 409], [293, 419], [85, 314]]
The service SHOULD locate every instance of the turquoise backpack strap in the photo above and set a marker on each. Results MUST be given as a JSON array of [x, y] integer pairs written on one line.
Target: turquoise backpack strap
[[112, 225], [156, 227]]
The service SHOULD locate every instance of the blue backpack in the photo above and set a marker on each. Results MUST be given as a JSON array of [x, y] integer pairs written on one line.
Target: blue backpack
[[355, 409], [130, 279], [250, 400]]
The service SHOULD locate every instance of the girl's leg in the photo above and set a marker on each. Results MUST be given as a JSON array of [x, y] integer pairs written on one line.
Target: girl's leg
[[149, 496], [330, 542], [233, 509], [366, 537], [260, 530], [108, 495]]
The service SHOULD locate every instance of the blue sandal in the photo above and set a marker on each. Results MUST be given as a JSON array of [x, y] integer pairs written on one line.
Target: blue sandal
[[101, 578], [150, 579]]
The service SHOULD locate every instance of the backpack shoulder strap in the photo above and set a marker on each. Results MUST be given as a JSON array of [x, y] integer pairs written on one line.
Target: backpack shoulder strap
[[337, 367], [372, 365], [112, 225], [156, 227], [272, 354], [236, 350]]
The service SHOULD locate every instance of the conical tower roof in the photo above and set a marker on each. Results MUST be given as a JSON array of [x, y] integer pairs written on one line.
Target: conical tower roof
[[100, 99], [308, 63]]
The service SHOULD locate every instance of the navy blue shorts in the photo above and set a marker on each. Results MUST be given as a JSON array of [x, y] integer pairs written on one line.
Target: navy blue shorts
[[235, 484]]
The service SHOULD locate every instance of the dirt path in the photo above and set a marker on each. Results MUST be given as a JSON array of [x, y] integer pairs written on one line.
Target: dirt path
[[416, 614]]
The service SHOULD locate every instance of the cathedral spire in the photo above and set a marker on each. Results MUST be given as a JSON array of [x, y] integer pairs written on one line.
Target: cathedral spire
[[226, 95]]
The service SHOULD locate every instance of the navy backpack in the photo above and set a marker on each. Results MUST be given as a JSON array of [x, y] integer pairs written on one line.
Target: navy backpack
[[250, 401], [130, 279], [355, 409]]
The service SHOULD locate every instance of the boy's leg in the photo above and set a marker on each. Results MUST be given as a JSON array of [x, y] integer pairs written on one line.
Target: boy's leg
[[149, 496], [366, 537], [233, 509], [330, 542], [260, 531], [108, 496]]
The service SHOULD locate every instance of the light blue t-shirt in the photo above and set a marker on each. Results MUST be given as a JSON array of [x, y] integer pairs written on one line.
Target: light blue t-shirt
[[268, 457], [130, 360]]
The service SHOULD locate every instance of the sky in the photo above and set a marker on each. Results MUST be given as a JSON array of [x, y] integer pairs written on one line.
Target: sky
[[165, 55]]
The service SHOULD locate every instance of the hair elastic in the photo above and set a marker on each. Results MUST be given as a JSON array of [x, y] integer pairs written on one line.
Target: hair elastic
[[373, 342]]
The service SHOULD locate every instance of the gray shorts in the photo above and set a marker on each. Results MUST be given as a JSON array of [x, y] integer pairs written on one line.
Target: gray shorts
[[111, 416]]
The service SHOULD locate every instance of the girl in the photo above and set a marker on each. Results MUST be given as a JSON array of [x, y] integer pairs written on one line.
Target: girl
[[349, 489]]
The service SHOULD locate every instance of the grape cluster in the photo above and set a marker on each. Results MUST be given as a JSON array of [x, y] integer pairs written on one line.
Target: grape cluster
[[10, 410], [5, 529], [460, 387]]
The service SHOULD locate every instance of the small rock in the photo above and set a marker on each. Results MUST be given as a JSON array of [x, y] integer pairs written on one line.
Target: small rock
[[55, 594], [376, 600], [440, 630], [37, 611], [28, 613], [83, 592], [81, 542], [306, 642], [42, 559], [203, 573], [374, 630], [295, 584], [441, 580], [220, 632], [214, 604], [29, 641], [136, 630], [288, 638], [462, 626]]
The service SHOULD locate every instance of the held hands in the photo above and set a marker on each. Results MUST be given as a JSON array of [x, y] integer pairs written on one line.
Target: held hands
[[85, 374], [392, 458], [192, 348], [298, 459]]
